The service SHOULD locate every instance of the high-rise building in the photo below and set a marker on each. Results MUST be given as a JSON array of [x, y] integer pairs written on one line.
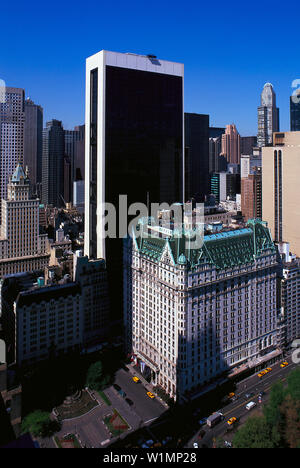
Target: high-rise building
[[281, 189], [134, 145], [217, 162], [72, 138], [22, 247], [53, 164], [247, 144], [79, 154], [134, 120], [12, 116], [231, 144], [33, 142], [295, 112], [268, 116], [289, 294], [196, 138], [251, 189], [193, 314]]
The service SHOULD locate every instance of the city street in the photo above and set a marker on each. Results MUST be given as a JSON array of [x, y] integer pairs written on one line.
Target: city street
[[252, 385]]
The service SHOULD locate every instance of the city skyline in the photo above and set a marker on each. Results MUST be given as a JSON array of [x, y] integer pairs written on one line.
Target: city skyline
[[240, 70]]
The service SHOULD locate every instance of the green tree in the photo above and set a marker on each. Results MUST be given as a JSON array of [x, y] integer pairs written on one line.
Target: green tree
[[272, 413], [39, 424], [293, 384], [291, 429], [255, 433], [96, 380]]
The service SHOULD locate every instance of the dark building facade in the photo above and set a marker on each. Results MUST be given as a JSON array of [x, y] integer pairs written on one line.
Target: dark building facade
[[33, 142], [53, 164], [295, 113], [134, 145], [247, 144], [196, 129]]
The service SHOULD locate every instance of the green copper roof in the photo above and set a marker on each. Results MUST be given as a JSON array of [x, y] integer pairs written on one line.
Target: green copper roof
[[224, 249]]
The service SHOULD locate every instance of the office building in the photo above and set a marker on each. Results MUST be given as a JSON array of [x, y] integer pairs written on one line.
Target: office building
[[295, 112], [231, 144], [289, 294], [268, 116], [194, 314], [33, 143], [134, 145], [47, 320], [12, 116], [251, 186], [281, 189], [74, 160], [196, 137], [247, 144], [53, 164], [22, 247]]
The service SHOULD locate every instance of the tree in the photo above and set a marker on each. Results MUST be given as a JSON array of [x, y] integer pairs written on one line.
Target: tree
[[291, 410], [255, 433], [95, 378], [272, 412], [293, 382], [39, 424]]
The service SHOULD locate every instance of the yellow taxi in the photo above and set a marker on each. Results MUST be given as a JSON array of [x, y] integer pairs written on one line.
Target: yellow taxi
[[231, 421], [268, 369], [231, 395], [150, 395], [262, 373], [284, 364], [135, 379]]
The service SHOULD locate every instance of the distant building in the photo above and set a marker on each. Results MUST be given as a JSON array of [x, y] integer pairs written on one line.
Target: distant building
[[247, 144], [268, 116], [196, 138], [12, 117], [217, 161], [251, 186], [290, 301], [42, 321], [53, 164], [78, 194], [281, 188], [231, 144], [295, 112], [225, 185], [33, 142], [22, 247]]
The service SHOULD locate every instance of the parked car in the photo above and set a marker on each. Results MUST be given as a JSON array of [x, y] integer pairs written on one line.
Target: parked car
[[136, 379], [249, 395], [195, 445], [122, 393], [117, 387], [150, 395], [130, 402]]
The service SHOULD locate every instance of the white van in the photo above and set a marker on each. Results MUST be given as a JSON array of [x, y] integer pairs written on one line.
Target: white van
[[250, 405]]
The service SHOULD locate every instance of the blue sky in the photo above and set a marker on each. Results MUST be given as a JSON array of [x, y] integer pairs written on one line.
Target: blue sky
[[229, 51]]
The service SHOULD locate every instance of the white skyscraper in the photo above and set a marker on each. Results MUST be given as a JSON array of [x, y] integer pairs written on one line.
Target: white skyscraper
[[268, 116], [12, 116], [22, 248]]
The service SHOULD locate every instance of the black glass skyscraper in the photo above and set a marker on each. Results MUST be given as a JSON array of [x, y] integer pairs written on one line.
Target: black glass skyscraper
[[134, 139]]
